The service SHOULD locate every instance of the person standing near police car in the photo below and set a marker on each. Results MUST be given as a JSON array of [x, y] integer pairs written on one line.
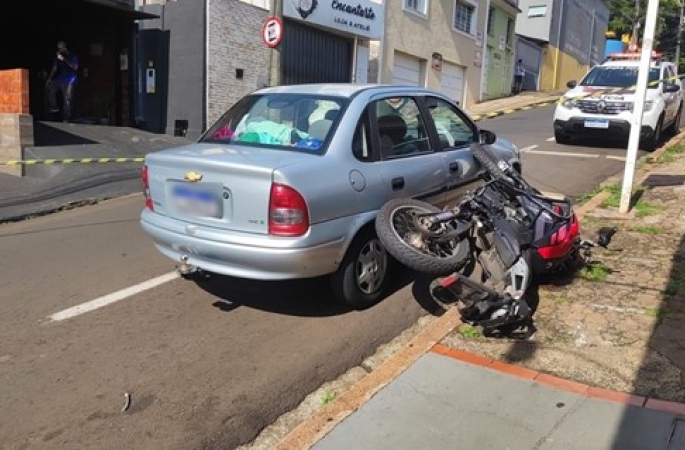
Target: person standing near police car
[[63, 78], [519, 73]]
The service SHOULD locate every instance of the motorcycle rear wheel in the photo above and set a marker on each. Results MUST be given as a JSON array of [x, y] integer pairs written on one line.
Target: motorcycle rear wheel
[[395, 224]]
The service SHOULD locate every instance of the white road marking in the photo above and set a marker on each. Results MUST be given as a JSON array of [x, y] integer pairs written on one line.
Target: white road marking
[[529, 148], [113, 297], [617, 158], [552, 139], [573, 155]]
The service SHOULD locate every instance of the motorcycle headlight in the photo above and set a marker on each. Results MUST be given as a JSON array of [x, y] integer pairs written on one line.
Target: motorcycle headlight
[[569, 103]]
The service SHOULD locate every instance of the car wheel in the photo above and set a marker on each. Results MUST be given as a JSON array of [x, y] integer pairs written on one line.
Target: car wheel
[[652, 143], [562, 138], [362, 276]]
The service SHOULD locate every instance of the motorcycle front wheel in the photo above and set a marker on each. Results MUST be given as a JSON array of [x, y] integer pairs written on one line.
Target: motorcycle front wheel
[[399, 230]]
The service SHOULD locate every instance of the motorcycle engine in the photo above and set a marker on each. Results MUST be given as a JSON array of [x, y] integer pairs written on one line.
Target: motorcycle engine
[[494, 269]]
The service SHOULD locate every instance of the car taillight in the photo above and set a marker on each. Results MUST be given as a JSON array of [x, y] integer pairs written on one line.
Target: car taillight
[[288, 214], [146, 188]]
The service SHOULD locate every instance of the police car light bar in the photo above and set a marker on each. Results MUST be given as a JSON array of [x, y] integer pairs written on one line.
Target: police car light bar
[[636, 55]]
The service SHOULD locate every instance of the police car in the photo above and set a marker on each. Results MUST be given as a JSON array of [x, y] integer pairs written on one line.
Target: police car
[[601, 104]]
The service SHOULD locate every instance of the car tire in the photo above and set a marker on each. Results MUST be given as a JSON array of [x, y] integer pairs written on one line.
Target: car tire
[[674, 128], [652, 143], [362, 277], [562, 138]]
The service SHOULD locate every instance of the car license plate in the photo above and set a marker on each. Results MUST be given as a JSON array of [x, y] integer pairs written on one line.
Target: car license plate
[[196, 200], [596, 123]]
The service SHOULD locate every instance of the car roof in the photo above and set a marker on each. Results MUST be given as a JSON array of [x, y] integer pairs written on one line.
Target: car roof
[[338, 89]]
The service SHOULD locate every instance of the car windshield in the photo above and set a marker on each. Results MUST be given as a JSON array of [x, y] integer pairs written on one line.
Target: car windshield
[[617, 76], [280, 121]]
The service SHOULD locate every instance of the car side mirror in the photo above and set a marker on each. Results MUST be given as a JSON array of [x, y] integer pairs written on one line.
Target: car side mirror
[[670, 88], [487, 137], [572, 84]]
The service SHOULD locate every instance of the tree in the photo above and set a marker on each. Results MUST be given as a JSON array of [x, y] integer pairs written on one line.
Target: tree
[[625, 14]]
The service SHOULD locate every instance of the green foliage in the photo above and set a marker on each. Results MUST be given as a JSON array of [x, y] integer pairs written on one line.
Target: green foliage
[[595, 272], [327, 397], [646, 229], [469, 332], [623, 15]]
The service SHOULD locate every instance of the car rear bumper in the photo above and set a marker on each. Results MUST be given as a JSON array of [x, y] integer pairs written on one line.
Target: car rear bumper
[[261, 262], [575, 126]]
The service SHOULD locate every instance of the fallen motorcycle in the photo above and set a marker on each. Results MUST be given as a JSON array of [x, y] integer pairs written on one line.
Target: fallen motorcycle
[[493, 242]]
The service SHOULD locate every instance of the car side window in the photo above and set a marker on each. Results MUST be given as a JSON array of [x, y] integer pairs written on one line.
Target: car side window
[[669, 75], [453, 127], [400, 127], [361, 141]]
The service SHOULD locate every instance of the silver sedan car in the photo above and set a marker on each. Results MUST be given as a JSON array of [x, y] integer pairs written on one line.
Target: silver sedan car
[[288, 182]]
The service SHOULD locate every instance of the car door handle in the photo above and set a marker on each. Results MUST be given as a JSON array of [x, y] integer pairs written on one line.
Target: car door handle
[[454, 167], [397, 183]]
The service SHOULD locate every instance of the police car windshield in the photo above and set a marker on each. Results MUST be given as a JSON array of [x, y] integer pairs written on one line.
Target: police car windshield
[[617, 76]]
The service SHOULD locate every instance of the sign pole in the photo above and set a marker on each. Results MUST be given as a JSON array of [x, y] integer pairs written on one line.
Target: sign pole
[[274, 54], [638, 107]]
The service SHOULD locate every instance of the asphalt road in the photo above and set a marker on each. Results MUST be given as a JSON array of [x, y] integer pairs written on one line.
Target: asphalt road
[[571, 169], [206, 366]]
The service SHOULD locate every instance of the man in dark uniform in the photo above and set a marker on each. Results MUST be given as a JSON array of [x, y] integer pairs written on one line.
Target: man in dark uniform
[[519, 73], [63, 78]]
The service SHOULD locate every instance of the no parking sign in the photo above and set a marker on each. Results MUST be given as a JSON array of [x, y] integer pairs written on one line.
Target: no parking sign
[[272, 31]]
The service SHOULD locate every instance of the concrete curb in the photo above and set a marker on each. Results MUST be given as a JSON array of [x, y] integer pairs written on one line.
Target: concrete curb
[[491, 115], [324, 420]]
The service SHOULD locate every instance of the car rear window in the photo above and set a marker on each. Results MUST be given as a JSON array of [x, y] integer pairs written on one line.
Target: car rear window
[[281, 121]]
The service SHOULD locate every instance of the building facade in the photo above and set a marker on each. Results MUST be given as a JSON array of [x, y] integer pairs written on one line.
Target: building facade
[[433, 43], [570, 35], [212, 53], [499, 49], [103, 44]]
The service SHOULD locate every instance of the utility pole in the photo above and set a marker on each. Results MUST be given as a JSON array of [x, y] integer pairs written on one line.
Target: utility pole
[[679, 37], [640, 92], [275, 54], [636, 24]]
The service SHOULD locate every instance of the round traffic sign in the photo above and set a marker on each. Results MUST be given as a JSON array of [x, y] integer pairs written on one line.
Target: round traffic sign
[[272, 31]]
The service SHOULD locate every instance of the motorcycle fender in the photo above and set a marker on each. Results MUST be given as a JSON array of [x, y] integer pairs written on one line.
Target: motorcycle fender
[[506, 242]]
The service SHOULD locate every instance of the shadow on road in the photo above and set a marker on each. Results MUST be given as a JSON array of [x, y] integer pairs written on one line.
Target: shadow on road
[[302, 298], [46, 135]]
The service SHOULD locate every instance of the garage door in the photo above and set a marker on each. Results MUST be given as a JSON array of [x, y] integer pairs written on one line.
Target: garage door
[[406, 70], [452, 82]]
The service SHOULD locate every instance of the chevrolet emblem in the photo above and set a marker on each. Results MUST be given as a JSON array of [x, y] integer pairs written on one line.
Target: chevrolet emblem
[[193, 177]]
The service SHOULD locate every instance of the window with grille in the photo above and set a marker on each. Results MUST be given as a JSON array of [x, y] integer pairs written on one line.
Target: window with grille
[[464, 16], [417, 6], [491, 21], [537, 11], [510, 31]]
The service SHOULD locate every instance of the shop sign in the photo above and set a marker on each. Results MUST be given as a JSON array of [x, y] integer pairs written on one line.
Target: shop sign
[[357, 17]]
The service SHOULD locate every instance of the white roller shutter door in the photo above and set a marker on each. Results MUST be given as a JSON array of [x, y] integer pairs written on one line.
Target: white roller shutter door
[[406, 70], [452, 82]]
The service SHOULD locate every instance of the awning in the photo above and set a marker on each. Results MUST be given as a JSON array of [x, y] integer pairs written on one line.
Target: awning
[[127, 11]]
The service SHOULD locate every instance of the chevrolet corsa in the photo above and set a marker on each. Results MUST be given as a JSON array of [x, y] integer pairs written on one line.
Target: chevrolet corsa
[[288, 182]]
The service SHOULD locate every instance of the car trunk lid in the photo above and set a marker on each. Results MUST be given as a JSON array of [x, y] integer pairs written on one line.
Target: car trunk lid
[[218, 186]]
